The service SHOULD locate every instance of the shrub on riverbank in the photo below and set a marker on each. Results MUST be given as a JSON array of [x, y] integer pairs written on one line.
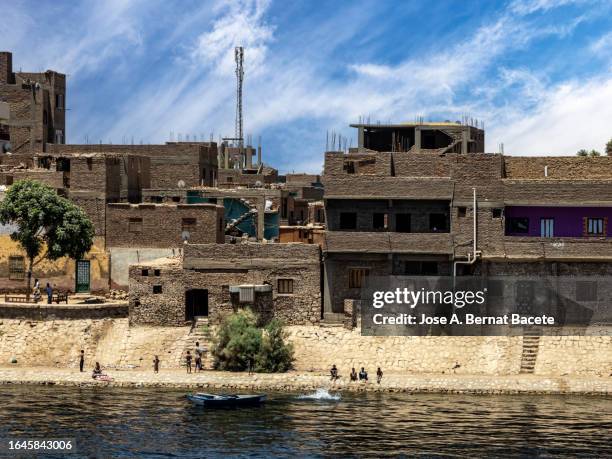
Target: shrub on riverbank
[[239, 345]]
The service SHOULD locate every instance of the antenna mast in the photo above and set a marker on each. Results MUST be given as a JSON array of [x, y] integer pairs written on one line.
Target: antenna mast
[[239, 56]]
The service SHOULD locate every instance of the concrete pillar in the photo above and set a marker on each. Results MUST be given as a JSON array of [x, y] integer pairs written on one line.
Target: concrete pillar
[[464, 141], [249, 157], [360, 139], [417, 139], [259, 155], [226, 156], [261, 214]]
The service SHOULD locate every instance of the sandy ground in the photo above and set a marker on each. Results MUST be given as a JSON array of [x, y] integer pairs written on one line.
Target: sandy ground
[[294, 381]]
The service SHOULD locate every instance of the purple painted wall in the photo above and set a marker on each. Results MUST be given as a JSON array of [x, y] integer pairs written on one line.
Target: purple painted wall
[[568, 220]]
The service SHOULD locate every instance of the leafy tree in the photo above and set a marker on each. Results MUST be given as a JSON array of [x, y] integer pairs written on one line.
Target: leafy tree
[[45, 219], [609, 148], [582, 152], [239, 345], [594, 153], [275, 356], [237, 341]]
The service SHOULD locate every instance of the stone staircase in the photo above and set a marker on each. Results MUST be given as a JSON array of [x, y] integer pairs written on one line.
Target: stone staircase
[[200, 332], [531, 346]]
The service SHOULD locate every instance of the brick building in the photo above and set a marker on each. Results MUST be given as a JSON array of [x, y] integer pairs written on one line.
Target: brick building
[[212, 280], [37, 103], [412, 213]]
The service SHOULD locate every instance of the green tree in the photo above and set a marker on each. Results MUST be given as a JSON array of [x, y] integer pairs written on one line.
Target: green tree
[[274, 356], [594, 153], [237, 341], [45, 219], [609, 148], [582, 152]]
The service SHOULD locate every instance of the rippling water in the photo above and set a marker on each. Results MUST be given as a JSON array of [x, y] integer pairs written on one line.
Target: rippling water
[[113, 422]]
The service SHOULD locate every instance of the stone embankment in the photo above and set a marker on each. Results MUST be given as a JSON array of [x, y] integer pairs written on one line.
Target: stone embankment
[[303, 382]]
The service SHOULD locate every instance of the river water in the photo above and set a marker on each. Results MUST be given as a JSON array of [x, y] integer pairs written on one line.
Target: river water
[[116, 422]]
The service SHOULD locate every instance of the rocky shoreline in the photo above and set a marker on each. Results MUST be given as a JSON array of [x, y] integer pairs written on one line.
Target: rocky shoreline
[[300, 382]]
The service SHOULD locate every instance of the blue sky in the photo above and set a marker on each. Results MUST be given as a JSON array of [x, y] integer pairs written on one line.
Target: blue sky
[[537, 72]]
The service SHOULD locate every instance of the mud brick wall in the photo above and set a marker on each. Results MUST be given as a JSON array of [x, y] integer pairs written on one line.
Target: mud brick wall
[[421, 165], [101, 174], [576, 192], [559, 168], [52, 178], [162, 225]]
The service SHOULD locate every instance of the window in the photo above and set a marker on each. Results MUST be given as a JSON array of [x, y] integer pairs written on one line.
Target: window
[[547, 227], [420, 268], [157, 272], [135, 225], [229, 179], [145, 272], [59, 101], [437, 222], [518, 225], [349, 167], [348, 220], [461, 211], [285, 286], [496, 212], [586, 290], [402, 223], [59, 136], [379, 221], [357, 277], [188, 224], [595, 226], [157, 199], [89, 163], [176, 199], [157, 289], [16, 267]]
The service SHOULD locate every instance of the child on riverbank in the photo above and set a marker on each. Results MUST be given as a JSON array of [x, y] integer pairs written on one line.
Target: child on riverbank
[[188, 361]]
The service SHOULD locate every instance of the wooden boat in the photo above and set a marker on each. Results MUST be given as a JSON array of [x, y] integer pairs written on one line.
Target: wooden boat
[[227, 400]]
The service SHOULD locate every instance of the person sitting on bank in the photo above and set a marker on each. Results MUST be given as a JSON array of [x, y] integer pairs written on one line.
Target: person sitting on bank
[[353, 374], [363, 375], [98, 375], [379, 375], [334, 372]]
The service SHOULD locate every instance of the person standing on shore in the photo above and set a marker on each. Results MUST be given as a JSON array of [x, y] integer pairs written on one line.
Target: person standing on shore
[[198, 357], [188, 361], [379, 375], [156, 364], [49, 291], [82, 361]]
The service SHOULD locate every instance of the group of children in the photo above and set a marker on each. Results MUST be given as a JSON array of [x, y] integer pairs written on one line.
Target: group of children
[[199, 354], [363, 374]]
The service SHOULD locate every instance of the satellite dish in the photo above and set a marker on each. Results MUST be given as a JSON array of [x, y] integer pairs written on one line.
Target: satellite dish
[[185, 235], [181, 184]]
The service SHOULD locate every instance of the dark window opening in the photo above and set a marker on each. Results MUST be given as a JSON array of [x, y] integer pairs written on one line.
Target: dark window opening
[[285, 286], [461, 211], [176, 198], [348, 220], [157, 289], [402, 223], [496, 213], [16, 267], [379, 221], [157, 272], [420, 268], [196, 303], [145, 272], [437, 222], [357, 277], [518, 225], [349, 167], [187, 224]]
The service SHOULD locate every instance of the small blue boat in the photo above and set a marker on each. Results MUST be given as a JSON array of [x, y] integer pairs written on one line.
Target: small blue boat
[[228, 400]]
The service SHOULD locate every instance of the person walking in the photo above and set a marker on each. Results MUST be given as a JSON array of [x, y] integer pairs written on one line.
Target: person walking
[[198, 357], [379, 375], [188, 361], [49, 291], [82, 361], [156, 364]]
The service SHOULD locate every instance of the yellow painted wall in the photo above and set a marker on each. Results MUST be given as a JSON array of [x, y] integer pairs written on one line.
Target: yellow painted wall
[[59, 272]]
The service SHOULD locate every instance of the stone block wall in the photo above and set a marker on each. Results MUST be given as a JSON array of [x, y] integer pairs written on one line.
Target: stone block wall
[[162, 225]]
